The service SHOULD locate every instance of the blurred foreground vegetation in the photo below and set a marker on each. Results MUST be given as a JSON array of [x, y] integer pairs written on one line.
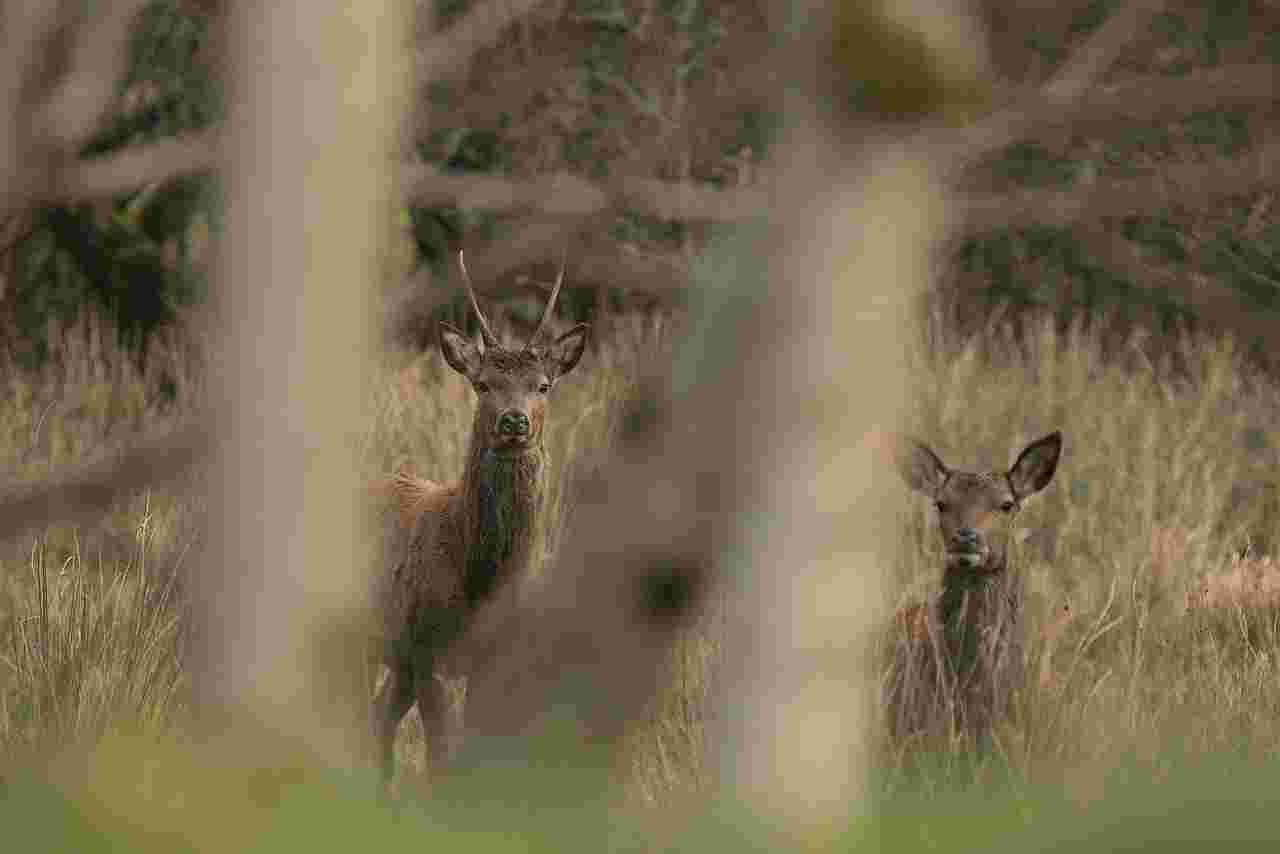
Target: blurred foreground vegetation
[[1154, 722]]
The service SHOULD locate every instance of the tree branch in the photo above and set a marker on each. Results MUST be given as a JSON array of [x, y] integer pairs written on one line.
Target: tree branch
[[88, 491], [1153, 97], [448, 54], [1072, 80], [1188, 184], [564, 194], [1099, 51], [76, 105], [133, 167]]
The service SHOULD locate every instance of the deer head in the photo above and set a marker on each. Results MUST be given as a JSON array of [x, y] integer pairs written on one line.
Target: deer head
[[976, 510], [511, 385]]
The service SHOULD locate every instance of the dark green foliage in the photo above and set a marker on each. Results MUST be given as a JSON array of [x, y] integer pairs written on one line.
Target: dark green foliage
[[116, 263], [1050, 267], [181, 91], [1251, 267], [1029, 164], [1201, 35], [132, 259], [1157, 233]]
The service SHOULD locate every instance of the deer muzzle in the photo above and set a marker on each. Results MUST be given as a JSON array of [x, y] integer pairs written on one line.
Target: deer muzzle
[[513, 424], [966, 550]]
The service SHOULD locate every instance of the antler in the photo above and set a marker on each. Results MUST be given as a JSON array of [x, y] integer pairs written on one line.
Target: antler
[[486, 334], [551, 304]]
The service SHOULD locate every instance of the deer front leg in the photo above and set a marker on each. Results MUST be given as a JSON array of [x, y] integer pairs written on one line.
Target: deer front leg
[[390, 706], [434, 707]]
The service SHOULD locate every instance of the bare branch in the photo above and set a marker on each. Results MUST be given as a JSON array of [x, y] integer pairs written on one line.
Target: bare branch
[[1151, 97], [448, 54], [82, 95], [1064, 89], [84, 492], [1099, 51], [134, 167], [24, 29], [1188, 184], [563, 194], [556, 194]]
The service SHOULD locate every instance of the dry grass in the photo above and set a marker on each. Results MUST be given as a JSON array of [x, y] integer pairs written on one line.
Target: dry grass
[[1166, 473], [91, 630], [1164, 458]]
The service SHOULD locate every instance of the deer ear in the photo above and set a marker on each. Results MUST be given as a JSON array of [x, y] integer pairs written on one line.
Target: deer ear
[[462, 354], [1035, 466], [919, 466], [565, 352]]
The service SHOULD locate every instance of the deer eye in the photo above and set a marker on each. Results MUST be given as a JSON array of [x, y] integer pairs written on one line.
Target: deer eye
[[1008, 507], [544, 387], [942, 506], [480, 387]]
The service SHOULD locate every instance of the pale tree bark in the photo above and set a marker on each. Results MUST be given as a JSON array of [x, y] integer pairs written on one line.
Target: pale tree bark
[[316, 95], [813, 549]]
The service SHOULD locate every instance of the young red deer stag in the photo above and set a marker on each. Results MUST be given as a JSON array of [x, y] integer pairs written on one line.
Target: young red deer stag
[[973, 629], [453, 545]]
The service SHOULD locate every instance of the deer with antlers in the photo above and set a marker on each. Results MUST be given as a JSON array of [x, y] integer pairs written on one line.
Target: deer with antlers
[[454, 545]]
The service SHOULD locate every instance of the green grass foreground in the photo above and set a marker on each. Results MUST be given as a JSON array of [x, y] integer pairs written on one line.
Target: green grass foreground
[[169, 803]]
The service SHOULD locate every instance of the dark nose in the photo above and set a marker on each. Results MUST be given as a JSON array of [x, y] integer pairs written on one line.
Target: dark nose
[[966, 539], [513, 424]]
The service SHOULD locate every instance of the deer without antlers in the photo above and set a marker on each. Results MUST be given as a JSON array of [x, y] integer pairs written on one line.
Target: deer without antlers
[[962, 657], [452, 546]]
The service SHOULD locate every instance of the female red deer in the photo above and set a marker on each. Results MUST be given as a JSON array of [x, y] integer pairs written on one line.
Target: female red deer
[[453, 545], [973, 631]]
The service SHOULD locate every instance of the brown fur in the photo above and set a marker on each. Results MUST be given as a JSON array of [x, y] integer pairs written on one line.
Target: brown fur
[[959, 659], [451, 547], [410, 496], [1251, 583]]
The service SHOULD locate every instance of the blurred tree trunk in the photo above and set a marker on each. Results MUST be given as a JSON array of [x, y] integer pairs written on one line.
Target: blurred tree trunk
[[316, 96]]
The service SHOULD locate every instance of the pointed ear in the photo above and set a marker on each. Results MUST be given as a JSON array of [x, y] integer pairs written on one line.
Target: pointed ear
[[462, 354], [919, 466], [1035, 465], [565, 352]]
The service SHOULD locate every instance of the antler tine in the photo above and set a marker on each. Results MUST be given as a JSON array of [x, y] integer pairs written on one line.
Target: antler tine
[[486, 334], [551, 303]]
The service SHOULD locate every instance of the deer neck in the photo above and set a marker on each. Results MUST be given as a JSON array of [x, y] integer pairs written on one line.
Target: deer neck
[[503, 498], [973, 599]]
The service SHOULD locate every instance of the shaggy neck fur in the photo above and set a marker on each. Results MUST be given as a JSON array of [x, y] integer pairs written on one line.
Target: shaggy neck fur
[[972, 600], [978, 612], [502, 528]]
